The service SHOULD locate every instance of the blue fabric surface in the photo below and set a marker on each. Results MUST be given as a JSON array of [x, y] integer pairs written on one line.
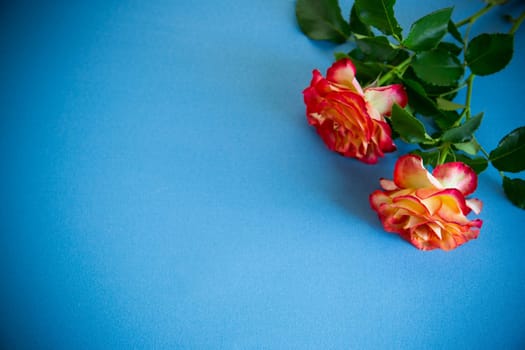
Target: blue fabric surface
[[161, 189]]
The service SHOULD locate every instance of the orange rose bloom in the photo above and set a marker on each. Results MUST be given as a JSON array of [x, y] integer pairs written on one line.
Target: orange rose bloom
[[429, 210], [349, 119]]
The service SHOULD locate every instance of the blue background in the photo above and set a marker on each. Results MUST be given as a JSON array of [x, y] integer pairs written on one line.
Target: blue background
[[162, 189]]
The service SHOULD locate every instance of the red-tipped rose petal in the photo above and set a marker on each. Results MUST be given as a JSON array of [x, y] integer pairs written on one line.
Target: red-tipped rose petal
[[457, 175], [377, 198], [316, 77], [383, 98], [383, 136], [409, 172], [412, 204], [337, 108], [450, 203], [476, 223], [343, 72]]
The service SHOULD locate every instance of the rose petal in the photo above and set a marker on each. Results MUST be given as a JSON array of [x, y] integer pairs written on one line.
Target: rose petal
[[316, 77], [475, 205], [424, 193], [378, 198], [416, 206], [448, 241], [337, 108], [351, 108], [388, 185], [409, 172], [419, 237], [449, 204], [343, 72], [411, 203], [383, 136], [383, 98], [457, 175], [436, 228], [476, 223]]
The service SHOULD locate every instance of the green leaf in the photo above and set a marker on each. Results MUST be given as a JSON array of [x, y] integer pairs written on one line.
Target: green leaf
[[447, 105], [409, 128], [357, 55], [489, 53], [438, 67], [429, 157], [471, 147], [376, 48], [379, 14], [478, 164], [357, 26], [445, 119], [510, 153], [453, 30], [452, 48], [366, 70], [464, 132], [401, 56], [496, 2], [428, 31], [515, 191], [340, 55], [418, 98], [322, 20]]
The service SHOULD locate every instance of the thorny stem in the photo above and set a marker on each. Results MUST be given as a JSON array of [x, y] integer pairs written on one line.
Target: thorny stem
[[475, 16]]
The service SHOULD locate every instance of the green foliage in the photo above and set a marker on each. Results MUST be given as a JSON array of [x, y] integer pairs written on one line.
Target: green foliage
[[430, 63], [447, 105], [452, 48], [515, 191], [427, 32], [496, 2], [438, 67], [429, 157], [409, 128], [464, 132], [376, 48], [322, 20], [446, 119], [367, 71], [489, 53], [357, 26], [471, 147], [432, 157], [510, 153], [453, 30], [419, 99], [340, 55], [478, 164], [379, 14]]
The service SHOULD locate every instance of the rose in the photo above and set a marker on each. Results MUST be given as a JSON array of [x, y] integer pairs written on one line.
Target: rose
[[429, 210], [349, 119]]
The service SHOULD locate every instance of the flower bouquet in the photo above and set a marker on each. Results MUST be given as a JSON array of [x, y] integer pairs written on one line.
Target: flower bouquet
[[392, 87]]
